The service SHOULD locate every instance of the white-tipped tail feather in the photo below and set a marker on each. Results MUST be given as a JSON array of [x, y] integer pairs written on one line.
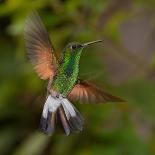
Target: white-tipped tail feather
[[60, 109]]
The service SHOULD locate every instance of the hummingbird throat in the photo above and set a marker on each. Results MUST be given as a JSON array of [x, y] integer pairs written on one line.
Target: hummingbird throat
[[71, 63]]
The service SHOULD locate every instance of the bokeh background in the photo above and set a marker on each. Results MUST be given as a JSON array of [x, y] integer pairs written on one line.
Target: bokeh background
[[123, 65]]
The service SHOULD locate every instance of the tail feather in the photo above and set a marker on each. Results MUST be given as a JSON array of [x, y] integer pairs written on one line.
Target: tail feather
[[47, 125], [76, 123], [74, 118], [63, 120], [69, 117], [51, 123]]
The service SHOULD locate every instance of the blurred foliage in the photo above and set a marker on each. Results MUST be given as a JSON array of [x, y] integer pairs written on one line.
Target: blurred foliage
[[124, 66]]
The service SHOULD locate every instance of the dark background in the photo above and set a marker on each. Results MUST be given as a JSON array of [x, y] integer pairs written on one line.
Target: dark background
[[123, 65]]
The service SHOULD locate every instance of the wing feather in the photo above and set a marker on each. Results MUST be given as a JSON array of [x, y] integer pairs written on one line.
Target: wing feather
[[39, 47], [85, 91]]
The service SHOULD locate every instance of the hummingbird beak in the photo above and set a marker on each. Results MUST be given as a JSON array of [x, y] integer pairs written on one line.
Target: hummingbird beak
[[92, 42]]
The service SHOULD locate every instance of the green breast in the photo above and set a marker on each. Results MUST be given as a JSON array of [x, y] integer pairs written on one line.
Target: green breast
[[66, 77], [67, 73], [64, 83]]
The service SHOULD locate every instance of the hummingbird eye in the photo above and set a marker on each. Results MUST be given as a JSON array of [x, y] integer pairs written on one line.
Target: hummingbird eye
[[73, 47]]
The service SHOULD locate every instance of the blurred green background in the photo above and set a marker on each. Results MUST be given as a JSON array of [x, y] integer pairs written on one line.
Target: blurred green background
[[124, 66]]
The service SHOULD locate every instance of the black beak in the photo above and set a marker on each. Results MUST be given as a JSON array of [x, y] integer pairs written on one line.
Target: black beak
[[91, 42]]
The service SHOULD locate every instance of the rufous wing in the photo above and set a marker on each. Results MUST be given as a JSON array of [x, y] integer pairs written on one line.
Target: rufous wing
[[39, 47], [87, 92]]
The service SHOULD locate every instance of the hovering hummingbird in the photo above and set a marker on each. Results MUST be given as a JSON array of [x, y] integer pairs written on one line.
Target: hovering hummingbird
[[64, 84]]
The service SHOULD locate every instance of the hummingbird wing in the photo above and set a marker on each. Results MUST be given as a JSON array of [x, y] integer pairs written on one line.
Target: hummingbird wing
[[87, 92], [39, 47]]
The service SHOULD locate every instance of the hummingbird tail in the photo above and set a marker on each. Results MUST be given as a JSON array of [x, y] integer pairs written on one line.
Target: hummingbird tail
[[47, 125], [61, 110], [70, 118]]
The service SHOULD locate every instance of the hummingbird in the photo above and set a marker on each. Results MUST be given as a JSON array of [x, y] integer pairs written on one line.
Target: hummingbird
[[64, 85]]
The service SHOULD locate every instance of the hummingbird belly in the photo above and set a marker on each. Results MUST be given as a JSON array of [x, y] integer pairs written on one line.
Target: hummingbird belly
[[63, 84]]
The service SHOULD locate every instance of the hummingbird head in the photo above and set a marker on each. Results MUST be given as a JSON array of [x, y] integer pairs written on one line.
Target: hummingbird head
[[75, 47], [73, 50]]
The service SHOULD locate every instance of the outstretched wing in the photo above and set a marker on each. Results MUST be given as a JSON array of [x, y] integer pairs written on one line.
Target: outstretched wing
[[39, 48], [86, 92]]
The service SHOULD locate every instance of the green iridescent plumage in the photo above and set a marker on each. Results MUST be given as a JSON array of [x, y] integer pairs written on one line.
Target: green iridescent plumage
[[67, 73]]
